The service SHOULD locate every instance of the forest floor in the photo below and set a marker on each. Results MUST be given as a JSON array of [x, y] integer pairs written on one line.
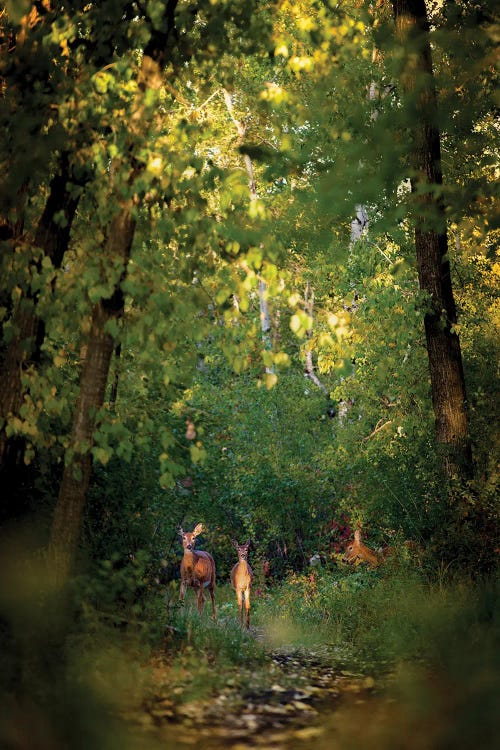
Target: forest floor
[[288, 684], [286, 702]]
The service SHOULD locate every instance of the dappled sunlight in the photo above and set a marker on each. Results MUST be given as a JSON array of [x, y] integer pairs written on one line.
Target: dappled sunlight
[[248, 375], [279, 631]]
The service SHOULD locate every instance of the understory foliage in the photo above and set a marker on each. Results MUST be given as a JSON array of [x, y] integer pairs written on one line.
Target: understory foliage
[[244, 180], [426, 647], [270, 371]]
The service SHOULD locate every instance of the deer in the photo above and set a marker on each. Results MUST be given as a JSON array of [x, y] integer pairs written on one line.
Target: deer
[[357, 552], [241, 579], [197, 569]]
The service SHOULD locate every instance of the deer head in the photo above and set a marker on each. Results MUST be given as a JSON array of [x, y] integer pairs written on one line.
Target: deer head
[[241, 549], [189, 537], [356, 551]]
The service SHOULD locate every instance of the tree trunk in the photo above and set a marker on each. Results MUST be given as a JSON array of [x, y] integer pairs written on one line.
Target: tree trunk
[[359, 224], [309, 371], [265, 317], [68, 514], [24, 347], [114, 386], [431, 242], [67, 522]]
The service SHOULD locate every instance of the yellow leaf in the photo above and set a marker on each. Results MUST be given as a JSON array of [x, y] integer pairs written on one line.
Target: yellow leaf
[[295, 324], [270, 379], [267, 358], [282, 50], [257, 210], [155, 165], [281, 359]]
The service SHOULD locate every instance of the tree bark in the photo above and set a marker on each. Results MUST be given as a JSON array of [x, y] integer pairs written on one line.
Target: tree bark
[[431, 242], [25, 346], [70, 506], [359, 224], [265, 317], [68, 515], [309, 371]]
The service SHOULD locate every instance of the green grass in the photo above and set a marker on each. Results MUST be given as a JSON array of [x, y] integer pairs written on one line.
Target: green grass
[[438, 640]]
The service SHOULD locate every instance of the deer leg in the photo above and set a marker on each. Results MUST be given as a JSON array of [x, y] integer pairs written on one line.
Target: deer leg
[[182, 593], [212, 597], [239, 596], [201, 601], [247, 606]]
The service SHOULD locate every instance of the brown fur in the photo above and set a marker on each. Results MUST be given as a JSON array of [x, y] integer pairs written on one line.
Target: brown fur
[[357, 552], [241, 579], [197, 569]]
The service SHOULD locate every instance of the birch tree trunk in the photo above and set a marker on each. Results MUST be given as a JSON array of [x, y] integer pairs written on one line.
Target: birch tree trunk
[[309, 371], [265, 318], [431, 242], [359, 224]]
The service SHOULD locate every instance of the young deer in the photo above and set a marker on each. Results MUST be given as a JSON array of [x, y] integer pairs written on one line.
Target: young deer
[[357, 552], [197, 569], [241, 579]]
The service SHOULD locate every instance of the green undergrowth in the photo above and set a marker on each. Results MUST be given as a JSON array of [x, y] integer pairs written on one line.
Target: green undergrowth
[[73, 664], [79, 668], [382, 618], [433, 644], [375, 622]]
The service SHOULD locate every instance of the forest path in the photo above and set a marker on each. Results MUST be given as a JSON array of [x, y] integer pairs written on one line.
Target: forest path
[[299, 689]]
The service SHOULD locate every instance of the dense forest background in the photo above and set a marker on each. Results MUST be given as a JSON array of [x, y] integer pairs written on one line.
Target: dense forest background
[[249, 278]]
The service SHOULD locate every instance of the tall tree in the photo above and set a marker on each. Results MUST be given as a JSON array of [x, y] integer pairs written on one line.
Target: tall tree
[[24, 347], [133, 168], [68, 515], [67, 521], [35, 236], [431, 241]]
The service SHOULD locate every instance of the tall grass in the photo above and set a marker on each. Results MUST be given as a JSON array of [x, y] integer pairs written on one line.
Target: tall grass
[[385, 616], [433, 644]]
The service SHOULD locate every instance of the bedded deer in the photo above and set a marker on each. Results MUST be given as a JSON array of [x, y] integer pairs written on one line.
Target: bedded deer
[[241, 579], [197, 569], [357, 552]]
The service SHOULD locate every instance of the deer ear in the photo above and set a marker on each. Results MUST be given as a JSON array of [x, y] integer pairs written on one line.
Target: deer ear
[[357, 535], [197, 529], [180, 531], [248, 543], [234, 543]]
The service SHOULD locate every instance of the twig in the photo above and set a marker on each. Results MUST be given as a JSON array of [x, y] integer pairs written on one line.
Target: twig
[[377, 429], [204, 104]]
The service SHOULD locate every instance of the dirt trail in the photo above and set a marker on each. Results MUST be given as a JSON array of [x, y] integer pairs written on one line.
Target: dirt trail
[[288, 713]]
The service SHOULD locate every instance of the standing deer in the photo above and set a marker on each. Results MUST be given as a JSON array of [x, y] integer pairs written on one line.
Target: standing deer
[[357, 552], [197, 569], [241, 579]]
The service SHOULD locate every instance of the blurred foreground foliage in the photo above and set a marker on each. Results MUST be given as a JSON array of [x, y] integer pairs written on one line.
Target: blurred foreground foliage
[[116, 662], [209, 418]]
